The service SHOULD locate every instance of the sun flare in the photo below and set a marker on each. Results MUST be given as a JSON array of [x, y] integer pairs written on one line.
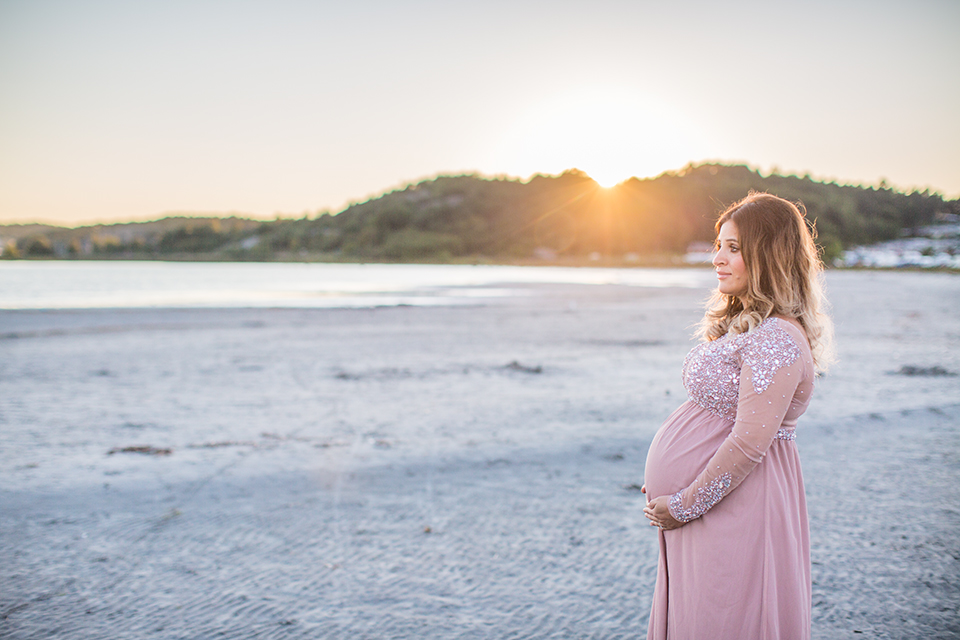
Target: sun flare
[[611, 133]]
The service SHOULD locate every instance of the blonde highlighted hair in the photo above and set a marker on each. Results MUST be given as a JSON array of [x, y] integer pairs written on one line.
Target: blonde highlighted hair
[[784, 275]]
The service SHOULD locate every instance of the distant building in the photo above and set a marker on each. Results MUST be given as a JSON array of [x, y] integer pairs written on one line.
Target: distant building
[[936, 246]]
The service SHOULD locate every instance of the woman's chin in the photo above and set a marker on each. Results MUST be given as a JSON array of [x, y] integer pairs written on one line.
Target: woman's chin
[[729, 290]]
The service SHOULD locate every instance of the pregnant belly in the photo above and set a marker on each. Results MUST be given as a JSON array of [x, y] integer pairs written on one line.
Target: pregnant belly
[[682, 447]]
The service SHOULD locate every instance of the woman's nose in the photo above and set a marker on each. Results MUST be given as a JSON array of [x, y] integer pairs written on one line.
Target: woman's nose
[[717, 260]]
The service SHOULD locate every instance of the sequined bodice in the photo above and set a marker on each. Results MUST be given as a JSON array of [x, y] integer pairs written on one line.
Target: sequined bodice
[[711, 371]]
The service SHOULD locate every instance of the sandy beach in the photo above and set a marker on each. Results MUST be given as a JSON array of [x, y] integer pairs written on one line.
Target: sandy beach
[[466, 471]]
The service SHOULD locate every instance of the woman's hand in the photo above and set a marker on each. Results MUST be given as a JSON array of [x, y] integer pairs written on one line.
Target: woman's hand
[[658, 513]]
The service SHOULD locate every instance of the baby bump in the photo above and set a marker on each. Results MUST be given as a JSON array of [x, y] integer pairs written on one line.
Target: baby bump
[[682, 447]]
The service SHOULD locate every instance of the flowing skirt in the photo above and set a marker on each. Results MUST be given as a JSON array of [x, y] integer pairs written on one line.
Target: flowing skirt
[[742, 571]]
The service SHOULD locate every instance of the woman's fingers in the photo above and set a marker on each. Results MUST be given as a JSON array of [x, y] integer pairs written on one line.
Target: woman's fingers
[[658, 513], [654, 519]]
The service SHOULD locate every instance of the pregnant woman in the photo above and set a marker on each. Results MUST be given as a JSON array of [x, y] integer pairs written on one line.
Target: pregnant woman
[[722, 477]]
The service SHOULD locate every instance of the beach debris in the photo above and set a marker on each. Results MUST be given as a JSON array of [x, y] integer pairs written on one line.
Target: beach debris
[[283, 438], [137, 425], [613, 457], [387, 373], [633, 486], [516, 366], [428, 529], [223, 443], [935, 371], [266, 435], [327, 445], [144, 449]]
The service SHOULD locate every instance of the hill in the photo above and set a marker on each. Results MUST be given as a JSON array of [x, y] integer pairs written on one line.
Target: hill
[[470, 217]]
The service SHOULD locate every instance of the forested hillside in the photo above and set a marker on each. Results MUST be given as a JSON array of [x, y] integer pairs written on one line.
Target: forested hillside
[[470, 217]]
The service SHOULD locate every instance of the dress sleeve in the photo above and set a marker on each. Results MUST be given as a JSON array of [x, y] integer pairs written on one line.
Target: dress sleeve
[[771, 370]]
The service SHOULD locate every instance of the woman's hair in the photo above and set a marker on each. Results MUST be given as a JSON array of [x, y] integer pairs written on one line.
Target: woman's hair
[[784, 275]]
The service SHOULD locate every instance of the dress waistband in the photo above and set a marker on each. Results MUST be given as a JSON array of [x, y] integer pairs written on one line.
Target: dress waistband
[[786, 434]]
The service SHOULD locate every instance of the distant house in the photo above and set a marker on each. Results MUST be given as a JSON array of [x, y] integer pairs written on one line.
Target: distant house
[[935, 246]]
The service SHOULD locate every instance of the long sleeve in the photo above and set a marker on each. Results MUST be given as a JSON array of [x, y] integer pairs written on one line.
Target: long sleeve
[[772, 368]]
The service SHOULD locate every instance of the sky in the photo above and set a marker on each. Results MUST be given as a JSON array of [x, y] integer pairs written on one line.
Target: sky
[[113, 110]]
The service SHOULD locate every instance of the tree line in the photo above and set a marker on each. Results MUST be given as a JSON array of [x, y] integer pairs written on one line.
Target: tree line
[[472, 217]]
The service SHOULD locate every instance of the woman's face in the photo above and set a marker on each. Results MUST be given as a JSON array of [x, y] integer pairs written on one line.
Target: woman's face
[[731, 272]]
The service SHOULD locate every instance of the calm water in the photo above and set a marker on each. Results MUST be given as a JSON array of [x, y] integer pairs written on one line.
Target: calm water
[[85, 285]]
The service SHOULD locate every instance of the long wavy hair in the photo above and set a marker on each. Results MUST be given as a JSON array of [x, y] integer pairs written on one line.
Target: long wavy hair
[[784, 275]]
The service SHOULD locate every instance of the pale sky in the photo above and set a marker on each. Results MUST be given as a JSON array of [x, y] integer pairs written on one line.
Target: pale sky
[[116, 110]]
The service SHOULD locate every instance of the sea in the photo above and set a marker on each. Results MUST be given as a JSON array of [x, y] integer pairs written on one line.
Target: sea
[[140, 284]]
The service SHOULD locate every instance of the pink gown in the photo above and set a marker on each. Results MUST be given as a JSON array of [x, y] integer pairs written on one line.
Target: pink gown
[[740, 568]]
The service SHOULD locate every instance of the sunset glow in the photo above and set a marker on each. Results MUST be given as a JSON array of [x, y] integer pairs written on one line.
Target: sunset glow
[[611, 133]]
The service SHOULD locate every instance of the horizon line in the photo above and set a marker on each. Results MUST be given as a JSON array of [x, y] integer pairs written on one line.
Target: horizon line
[[279, 215]]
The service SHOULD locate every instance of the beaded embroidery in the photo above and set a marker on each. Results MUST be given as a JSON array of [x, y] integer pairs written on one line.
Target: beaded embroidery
[[711, 371], [707, 496], [786, 434]]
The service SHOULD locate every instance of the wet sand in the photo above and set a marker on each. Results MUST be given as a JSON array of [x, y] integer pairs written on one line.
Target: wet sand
[[441, 472]]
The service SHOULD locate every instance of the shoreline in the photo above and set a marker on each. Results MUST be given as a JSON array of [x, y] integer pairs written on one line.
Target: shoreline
[[664, 261]]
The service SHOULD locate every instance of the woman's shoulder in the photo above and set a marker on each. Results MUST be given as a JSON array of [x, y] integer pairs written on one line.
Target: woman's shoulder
[[786, 321], [769, 332], [792, 328], [775, 343], [776, 330]]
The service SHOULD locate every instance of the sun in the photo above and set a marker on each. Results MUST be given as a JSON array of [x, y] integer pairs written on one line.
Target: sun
[[610, 133]]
